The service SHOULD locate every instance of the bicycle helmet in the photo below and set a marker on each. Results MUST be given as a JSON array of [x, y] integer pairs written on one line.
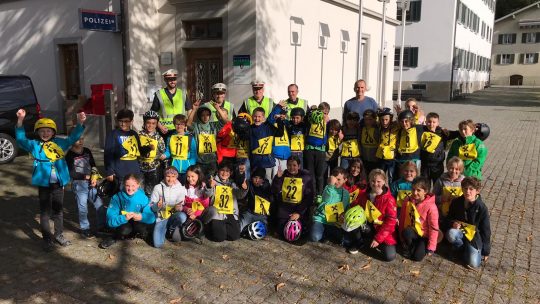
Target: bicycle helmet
[[316, 116], [107, 188], [45, 123], [354, 218], [292, 231], [384, 112], [482, 131], [241, 127], [192, 229], [150, 115], [406, 114], [298, 112], [257, 230], [246, 117]]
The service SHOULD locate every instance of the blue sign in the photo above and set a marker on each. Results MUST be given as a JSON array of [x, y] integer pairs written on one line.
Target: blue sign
[[98, 20]]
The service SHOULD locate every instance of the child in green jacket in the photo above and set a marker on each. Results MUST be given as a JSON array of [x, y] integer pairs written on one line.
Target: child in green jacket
[[470, 149]]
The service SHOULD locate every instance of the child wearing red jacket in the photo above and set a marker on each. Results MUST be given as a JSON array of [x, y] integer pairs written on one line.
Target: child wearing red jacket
[[381, 213], [419, 221], [356, 179]]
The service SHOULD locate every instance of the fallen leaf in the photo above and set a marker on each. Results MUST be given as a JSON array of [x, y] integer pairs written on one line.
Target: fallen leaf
[[405, 261], [344, 267], [280, 274], [111, 257], [219, 270], [201, 261], [367, 266], [225, 257], [461, 289], [529, 238], [221, 286], [175, 301], [437, 291], [279, 286], [415, 272], [183, 286], [156, 270]]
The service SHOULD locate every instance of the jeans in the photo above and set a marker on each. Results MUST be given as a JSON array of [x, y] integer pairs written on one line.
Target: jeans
[[163, 225], [471, 255], [345, 162], [331, 232], [249, 217], [315, 163], [415, 244], [83, 195], [51, 201], [388, 166], [151, 178]]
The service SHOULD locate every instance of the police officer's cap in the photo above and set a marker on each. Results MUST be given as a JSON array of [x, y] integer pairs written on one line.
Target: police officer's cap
[[257, 84], [219, 87], [170, 73]]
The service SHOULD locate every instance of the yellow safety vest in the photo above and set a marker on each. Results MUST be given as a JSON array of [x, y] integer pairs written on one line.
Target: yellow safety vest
[[412, 218], [300, 104], [213, 116], [170, 108], [408, 142], [387, 145], [468, 152], [350, 148], [251, 104]]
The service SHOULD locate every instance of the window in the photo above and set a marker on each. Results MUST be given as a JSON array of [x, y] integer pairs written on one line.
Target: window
[[507, 38], [530, 37], [505, 58], [528, 58], [410, 57], [419, 86], [210, 29], [414, 12]]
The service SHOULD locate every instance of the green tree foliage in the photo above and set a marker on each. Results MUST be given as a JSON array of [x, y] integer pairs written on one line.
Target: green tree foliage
[[505, 7]]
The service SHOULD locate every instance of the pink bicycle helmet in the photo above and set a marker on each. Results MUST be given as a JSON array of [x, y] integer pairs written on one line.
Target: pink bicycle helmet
[[292, 231]]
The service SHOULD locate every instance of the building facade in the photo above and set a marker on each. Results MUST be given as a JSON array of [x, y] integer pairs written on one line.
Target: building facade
[[516, 48], [447, 47]]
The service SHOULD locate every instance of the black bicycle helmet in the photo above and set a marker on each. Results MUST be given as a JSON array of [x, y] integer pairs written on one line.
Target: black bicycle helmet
[[384, 112], [241, 127], [407, 114], [298, 112], [150, 115], [192, 229], [107, 188], [482, 131]]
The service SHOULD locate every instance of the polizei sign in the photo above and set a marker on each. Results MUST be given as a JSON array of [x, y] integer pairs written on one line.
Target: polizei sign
[[98, 20]]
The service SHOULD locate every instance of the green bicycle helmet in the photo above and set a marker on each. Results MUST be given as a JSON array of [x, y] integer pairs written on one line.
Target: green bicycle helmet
[[316, 116], [354, 218]]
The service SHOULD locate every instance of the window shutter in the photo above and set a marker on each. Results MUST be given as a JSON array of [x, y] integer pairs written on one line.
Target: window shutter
[[536, 58], [521, 58], [413, 57], [514, 38], [418, 11], [498, 61], [500, 38], [537, 37], [523, 37], [512, 58]]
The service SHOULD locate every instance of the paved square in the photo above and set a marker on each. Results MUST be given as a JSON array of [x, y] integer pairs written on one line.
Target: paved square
[[272, 271]]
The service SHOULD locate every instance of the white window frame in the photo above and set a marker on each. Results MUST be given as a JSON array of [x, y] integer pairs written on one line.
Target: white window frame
[[507, 39], [506, 59], [530, 37], [528, 58]]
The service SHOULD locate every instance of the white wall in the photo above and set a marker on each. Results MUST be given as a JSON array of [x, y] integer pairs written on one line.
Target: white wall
[[28, 31], [275, 54]]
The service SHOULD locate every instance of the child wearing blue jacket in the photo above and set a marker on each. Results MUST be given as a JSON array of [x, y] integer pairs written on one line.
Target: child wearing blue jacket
[[51, 173], [181, 147], [328, 216], [261, 138], [281, 147], [129, 212]]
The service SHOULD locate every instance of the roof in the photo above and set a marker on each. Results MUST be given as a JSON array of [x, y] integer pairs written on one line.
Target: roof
[[519, 11]]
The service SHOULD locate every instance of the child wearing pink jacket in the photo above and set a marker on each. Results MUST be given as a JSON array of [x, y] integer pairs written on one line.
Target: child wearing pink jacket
[[419, 221]]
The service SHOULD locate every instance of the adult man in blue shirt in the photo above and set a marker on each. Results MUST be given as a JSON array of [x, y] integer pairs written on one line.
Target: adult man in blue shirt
[[360, 102]]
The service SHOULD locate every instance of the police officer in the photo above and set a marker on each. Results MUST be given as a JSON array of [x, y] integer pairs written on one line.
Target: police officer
[[218, 100], [257, 100], [293, 101], [170, 101]]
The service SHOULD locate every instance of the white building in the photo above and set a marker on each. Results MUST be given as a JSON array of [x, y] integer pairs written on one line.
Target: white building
[[447, 47], [310, 42]]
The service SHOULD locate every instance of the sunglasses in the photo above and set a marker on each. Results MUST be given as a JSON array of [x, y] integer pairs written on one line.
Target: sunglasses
[[170, 79]]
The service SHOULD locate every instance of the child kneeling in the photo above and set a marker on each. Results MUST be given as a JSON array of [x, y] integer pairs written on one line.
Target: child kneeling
[[328, 216], [129, 213], [167, 201]]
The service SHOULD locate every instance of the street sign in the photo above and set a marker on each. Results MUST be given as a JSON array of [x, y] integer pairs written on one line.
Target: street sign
[[98, 20]]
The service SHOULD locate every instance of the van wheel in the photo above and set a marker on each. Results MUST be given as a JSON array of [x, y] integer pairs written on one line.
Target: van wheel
[[8, 148]]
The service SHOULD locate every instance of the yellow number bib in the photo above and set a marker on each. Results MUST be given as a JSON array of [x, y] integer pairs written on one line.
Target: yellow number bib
[[368, 137], [232, 141], [167, 212], [372, 213], [353, 195], [317, 130], [448, 194], [265, 146], [282, 141], [179, 147], [387, 146], [333, 211], [291, 191], [132, 148], [207, 144], [385, 152], [223, 200], [241, 148], [297, 143], [350, 148], [468, 230], [262, 206], [333, 143], [147, 141], [412, 218], [401, 196], [408, 143], [197, 206], [52, 151], [430, 141], [468, 152]]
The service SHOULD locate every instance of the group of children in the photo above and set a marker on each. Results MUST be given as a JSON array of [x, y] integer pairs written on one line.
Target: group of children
[[367, 183]]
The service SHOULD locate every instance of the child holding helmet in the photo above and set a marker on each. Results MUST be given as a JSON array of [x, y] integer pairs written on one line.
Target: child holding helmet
[[51, 173], [259, 200], [328, 215], [221, 217], [150, 163], [295, 127], [470, 149], [293, 194], [381, 214]]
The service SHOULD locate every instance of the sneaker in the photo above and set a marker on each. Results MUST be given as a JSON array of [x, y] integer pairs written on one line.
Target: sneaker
[[87, 234], [353, 250], [48, 245], [60, 239], [104, 231], [106, 243]]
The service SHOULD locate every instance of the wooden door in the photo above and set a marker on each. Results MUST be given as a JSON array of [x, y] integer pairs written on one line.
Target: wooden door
[[204, 69], [516, 80]]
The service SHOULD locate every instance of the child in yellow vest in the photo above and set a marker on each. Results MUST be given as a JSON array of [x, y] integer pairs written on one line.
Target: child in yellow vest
[[448, 186]]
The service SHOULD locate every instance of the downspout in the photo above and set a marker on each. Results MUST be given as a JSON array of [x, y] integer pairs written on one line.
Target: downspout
[[453, 54], [123, 27]]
